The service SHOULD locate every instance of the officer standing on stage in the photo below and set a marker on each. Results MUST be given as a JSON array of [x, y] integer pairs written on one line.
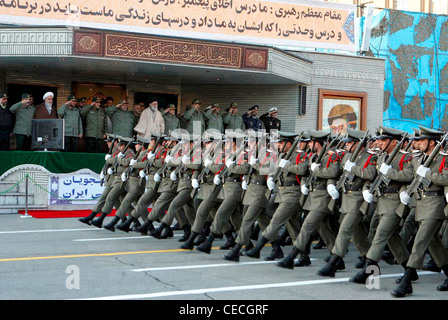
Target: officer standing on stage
[[24, 111], [123, 120], [195, 118], [171, 120], [232, 119], [96, 124], [271, 120], [213, 118]]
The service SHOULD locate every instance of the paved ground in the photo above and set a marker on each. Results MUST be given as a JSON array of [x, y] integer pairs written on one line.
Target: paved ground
[[54, 259]]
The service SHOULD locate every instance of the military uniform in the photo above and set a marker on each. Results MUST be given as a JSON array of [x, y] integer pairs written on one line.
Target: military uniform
[[22, 126], [429, 214], [194, 118], [123, 121], [214, 119], [270, 122], [233, 121], [171, 121], [96, 124], [317, 204], [73, 125]]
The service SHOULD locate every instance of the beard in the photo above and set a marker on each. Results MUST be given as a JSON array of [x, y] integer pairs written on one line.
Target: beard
[[48, 105]]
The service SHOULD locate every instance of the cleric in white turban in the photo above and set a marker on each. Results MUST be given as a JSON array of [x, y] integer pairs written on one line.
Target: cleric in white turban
[[47, 109]]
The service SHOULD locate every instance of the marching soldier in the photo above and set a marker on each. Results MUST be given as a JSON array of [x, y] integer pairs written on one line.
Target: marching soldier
[[363, 170], [429, 212], [288, 195], [326, 173], [400, 173]]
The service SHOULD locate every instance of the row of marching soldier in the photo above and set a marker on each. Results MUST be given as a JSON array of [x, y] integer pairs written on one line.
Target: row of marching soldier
[[382, 189]]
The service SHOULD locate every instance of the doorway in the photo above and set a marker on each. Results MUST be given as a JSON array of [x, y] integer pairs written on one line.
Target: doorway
[[15, 92], [164, 99]]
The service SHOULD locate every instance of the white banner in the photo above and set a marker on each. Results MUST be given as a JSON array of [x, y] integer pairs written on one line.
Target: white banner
[[77, 188]]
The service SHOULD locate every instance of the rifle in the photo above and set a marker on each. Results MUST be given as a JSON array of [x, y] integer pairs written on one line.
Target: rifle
[[153, 151], [420, 181], [129, 140], [346, 175], [130, 169], [251, 170], [312, 178], [111, 148], [278, 170], [381, 179], [179, 169], [165, 165]]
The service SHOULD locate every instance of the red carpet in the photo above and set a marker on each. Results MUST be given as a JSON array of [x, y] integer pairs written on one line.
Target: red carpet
[[42, 214]]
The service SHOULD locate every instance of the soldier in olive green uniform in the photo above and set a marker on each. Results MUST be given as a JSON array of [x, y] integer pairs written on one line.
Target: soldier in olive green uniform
[[123, 120], [387, 232], [287, 195], [232, 120], [118, 186], [429, 213], [230, 193], [195, 118], [363, 170], [73, 123], [213, 118], [96, 124], [24, 112], [171, 120], [316, 203], [134, 186], [190, 162]]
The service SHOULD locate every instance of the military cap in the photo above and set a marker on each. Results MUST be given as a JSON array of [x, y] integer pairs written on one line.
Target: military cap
[[171, 106], [141, 140], [71, 97], [256, 134], [125, 140], [353, 135], [25, 95], [96, 99], [123, 101], [427, 133], [389, 133], [176, 135], [233, 105], [215, 105], [318, 135], [305, 137], [273, 110], [82, 99], [230, 134], [196, 101], [211, 134], [3, 95], [208, 107], [111, 136], [255, 107]]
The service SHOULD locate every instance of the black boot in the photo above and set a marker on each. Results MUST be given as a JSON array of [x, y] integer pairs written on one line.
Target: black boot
[[304, 260], [282, 238], [361, 262], [88, 219], [255, 232], [276, 253], [125, 226], [255, 251], [136, 225], [167, 233], [111, 225], [187, 233], [288, 262], [330, 269], [200, 239], [321, 244], [157, 232], [145, 227], [431, 266], [230, 241], [444, 286], [414, 275], [206, 246], [98, 222], [362, 275], [234, 254], [405, 286], [189, 244]]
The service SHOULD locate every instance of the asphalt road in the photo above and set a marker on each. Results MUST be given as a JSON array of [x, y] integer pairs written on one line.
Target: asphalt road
[[58, 259]]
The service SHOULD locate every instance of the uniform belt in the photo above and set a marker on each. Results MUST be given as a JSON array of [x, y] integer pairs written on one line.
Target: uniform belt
[[186, 176], [320, 187], [431, 193], [390, 190], [230, 179], [262, 183], [289, 184], [348, 188]]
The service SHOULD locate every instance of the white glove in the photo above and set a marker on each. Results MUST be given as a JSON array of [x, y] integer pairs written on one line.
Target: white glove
[[173, 176], [185, 159], [168, 158], [384, 168], [253, 161], [216, 180], [304, 189], [157, 177], [422, 170], [142, 174], [283, 163], [349, 165], [314, 166], [207, 162], [367, 196], [107, 156], [110, 171], [120, 155], [123, 177], [332, 191], [132, 162], [195, 183], [405, 198], [244, 185], [229, 163], [271, 183], [150, 155], [102, 175]]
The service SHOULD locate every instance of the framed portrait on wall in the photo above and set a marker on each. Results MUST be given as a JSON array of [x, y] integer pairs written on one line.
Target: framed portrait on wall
[[339, 110]]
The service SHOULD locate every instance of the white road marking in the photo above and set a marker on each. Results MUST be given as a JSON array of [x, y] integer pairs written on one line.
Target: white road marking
[[42, 231], [119, 238], [200, 266], [237, 288]]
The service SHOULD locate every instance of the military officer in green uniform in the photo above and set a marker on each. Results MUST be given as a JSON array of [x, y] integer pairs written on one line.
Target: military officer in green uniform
[[326, 173], [287, 194], [195, 118], [24, 111], [429, 212], [123, 120], [171, 120], [73, 124], [232, 119], [96, 124], [213, 118], [387, 232], [363, 170]]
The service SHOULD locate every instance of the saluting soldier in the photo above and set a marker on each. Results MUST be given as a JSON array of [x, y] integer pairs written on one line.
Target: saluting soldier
[[123, 120], [232, 119], [271, 120], [73, 123], [429, 212], [96, 124], [287, 195], [24, 111], [213, 118], [400, 174], [171, 120], [195, 118], [363, 170], [326, 173]]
